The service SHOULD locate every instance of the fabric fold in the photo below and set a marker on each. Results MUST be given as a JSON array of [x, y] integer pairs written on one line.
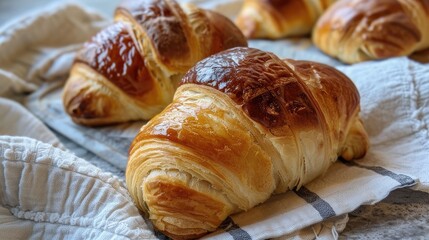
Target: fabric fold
[[59, 30], [18, 121], [56, 195]]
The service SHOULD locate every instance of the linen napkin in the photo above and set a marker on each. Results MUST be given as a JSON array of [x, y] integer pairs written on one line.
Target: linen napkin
[[394, 100]]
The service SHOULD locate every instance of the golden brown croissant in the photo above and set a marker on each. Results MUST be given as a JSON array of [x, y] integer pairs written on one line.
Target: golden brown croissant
[[360, 30], [242, 126], [130, 70], [279, 18]]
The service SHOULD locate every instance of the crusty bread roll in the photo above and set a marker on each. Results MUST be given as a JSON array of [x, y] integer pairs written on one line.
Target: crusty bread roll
[[361, 30], [130, 70], [279, 18], [242, 126]]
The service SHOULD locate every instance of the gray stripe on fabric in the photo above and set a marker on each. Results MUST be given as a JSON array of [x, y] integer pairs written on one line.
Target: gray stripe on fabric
[[404, 180], [161, 236], [325, 210], [232, 228]]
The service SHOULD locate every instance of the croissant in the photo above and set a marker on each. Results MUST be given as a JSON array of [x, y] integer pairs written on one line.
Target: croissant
[[243, 125], [361, 30], [279, 18], [130, 70]]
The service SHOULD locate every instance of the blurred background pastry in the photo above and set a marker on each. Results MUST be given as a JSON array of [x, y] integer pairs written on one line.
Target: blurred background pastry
[[361, 30], [279, 18]]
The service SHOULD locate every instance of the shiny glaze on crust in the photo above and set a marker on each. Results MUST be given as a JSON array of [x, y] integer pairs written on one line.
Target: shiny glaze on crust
[[162, 25], [265, 87], [113, 53], [272, 92]]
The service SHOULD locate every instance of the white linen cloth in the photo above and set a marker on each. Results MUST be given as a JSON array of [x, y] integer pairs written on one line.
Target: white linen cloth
[[48, 193]]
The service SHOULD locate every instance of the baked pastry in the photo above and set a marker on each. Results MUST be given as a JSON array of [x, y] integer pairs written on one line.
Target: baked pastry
[[130, 70], [361, 30], [243, 125], [279, 18]]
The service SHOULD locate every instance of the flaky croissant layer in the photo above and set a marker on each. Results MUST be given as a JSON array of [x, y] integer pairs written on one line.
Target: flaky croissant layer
[[242, 126]]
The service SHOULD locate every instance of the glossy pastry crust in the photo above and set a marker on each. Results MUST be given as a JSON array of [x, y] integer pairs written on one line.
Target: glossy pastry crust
[[114, 54], [279, 18], [361, 30], [243, 125], [130, 70]]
